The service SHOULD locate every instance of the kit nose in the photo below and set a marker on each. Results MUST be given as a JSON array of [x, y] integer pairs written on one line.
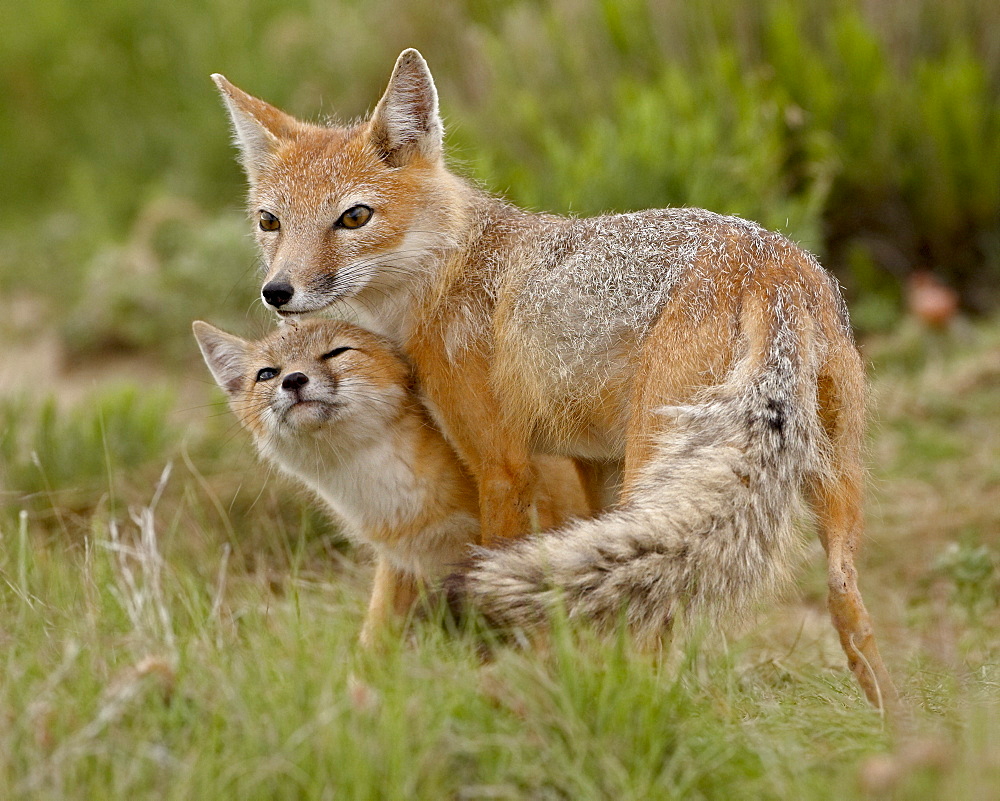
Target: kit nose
[[294, 381]]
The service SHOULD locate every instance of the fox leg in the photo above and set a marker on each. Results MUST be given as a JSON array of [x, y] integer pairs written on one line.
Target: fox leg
[[839, 508], [461, 400], [393, 593], [601, 481], [837, 502], [663, 380], [505, 475], [507, 490]]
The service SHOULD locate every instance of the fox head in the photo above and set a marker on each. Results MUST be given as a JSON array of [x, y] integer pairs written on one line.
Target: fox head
[[346, 212], [318, 381]]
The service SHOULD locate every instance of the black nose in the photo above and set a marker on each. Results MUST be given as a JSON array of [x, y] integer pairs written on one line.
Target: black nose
[[294, 381], [277, 293]]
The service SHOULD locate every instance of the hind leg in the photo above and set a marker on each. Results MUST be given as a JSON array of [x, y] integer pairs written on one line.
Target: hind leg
[[839, 509], [837, 501]]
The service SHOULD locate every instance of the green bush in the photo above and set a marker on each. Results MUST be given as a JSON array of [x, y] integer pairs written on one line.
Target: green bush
[[178, 265], [719, 140]]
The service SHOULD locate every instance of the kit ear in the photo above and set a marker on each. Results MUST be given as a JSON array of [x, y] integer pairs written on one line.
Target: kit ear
[[406, 122], [258, 127], [224, 354]]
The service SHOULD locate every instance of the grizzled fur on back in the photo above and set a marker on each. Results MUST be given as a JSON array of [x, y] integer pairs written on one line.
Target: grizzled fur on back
[[571, 303]]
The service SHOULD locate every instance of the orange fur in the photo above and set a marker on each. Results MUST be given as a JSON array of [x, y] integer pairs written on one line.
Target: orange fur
[[355, 433], [703, 364]]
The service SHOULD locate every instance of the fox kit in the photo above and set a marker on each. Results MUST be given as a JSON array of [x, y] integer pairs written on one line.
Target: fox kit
[[333, 406], [707, 363]]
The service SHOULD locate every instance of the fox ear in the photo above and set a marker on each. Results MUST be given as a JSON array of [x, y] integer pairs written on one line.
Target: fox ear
[[258, 127], [224, 355], [406, 121]]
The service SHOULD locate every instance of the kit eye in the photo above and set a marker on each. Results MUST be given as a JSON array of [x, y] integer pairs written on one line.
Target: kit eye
[[268, 222], [355, 217], [267, 373], [335, 352]]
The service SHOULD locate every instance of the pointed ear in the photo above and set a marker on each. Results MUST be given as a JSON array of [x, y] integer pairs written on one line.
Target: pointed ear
[[406, 121], [258, 127], [224, 354]]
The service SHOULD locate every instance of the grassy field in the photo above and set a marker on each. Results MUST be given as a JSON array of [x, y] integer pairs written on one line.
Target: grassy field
[[177, 623]]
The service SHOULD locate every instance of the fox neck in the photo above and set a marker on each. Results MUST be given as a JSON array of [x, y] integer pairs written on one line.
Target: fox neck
[[389, 487]]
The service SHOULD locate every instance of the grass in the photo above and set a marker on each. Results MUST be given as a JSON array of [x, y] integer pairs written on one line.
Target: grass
[[175, 622], [191, 632]]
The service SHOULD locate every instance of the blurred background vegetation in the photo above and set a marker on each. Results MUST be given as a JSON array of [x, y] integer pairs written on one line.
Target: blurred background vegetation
[[867, 131]]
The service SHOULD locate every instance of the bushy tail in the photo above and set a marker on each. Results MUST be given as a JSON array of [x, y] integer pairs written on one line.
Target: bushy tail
[[708, 527]]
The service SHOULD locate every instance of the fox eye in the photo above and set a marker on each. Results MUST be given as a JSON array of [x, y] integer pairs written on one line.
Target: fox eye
[[268, 222], [355, 217], [335, 352], [267, 373]]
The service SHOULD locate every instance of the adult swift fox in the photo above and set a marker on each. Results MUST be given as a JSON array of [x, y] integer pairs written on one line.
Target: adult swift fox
[[333, 406], [706, 363]]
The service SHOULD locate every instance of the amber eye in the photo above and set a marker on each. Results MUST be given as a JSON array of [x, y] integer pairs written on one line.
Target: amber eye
[[268, 222], [267, 373], [355, 217], [336, 352]]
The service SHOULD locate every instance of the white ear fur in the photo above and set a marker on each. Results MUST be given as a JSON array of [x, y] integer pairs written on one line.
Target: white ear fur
[[257, 126], [406, 121], [224, 355]]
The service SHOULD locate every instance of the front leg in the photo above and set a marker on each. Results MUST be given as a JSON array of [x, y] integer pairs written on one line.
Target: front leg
[[462, 402], [505, 475], [507, 498], [393, 593]]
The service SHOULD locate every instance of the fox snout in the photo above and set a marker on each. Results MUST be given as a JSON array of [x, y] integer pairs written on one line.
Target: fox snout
[[304, 403], [289, 286], [277, 293], [294, 381], [298, 386]]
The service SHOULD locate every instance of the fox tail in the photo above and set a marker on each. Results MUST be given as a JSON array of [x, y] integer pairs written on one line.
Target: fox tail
[[709, 524]]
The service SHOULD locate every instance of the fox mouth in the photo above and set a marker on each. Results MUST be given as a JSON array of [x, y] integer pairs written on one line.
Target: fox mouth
[[309, 412], [287, 314], [318, 300]]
